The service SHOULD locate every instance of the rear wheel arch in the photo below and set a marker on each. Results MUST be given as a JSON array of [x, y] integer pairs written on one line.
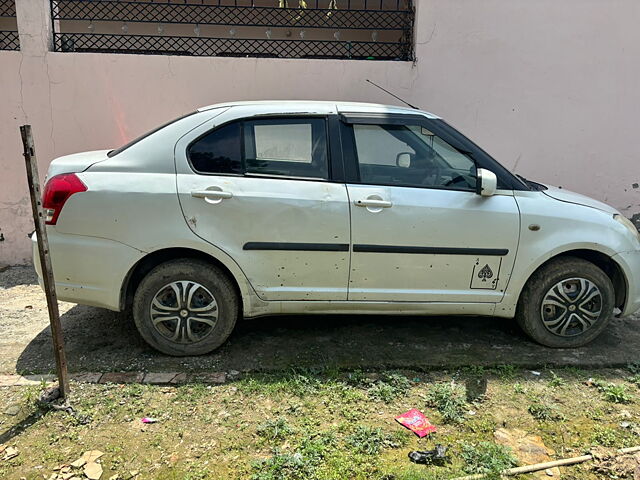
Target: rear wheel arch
[[153, 259]]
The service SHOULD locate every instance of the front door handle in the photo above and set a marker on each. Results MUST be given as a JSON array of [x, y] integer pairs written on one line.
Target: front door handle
[[371, 202]]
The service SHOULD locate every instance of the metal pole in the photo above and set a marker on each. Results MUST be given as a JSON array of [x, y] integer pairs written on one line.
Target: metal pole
[[45, 260]]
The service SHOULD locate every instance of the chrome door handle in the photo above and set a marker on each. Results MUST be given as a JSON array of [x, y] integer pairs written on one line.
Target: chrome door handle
[[373, 203], [215, 194]]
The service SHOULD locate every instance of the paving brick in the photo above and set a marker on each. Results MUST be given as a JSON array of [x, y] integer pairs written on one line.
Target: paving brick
[[34, 379], [122, 377], [8, 380], [159, 377], [87, 377], [216, 377], [180, 378]]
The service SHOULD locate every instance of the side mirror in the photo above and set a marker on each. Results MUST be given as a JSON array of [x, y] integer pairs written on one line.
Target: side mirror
[[486, 183], [403, 160]]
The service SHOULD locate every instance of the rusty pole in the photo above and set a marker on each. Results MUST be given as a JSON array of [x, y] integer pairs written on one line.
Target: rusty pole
[[45, 260]]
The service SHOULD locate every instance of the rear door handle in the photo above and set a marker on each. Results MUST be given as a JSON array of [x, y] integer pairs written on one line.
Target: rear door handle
[[370, 202], [215, 194]]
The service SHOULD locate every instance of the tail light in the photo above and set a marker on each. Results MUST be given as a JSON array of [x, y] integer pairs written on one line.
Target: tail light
[[56, 192]]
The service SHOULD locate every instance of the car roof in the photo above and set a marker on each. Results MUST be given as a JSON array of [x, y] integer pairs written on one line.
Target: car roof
[[308, 106]]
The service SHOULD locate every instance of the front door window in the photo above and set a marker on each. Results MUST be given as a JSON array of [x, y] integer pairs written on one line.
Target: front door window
[[410, 156]]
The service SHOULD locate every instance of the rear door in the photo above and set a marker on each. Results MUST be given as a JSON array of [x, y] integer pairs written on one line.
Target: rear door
[[420, 233], [261, 189]]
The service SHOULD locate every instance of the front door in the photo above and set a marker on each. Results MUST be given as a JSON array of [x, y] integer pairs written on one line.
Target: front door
[[420, 233], [259, 190]]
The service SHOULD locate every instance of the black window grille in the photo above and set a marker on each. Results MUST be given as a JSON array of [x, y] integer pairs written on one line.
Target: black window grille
[[8, 26], [338, 29]]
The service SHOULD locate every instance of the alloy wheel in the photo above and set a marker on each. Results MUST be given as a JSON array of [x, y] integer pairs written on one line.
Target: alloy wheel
[[571, 307], [184, 312]]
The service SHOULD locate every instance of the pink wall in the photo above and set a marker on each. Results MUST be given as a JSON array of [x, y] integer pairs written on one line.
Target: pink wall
[[549, 88]]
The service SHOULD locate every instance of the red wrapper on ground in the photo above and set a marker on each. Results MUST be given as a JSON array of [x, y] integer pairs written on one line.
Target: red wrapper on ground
[[415, 421]]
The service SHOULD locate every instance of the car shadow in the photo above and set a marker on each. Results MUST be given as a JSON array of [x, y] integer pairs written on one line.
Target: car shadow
[[99, 340]]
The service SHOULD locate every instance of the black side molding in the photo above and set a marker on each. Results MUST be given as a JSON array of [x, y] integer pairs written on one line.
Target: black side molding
[[430, 250], [306, 247]]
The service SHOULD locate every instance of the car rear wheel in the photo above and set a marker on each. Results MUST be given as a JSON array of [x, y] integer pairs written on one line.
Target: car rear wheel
[[566, 303], [185, 307]]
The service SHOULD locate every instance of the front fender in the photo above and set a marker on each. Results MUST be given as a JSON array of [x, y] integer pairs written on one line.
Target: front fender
[[549, 228]]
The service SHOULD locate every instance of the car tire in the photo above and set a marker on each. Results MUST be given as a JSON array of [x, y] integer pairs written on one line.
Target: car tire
[[185, 307], [561, 298]]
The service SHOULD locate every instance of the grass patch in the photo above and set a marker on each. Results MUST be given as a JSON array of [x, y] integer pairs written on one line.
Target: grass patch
[[277, 429], [545, 412], [315, 424], [449, 399], [555, 380], [614, 393], [284, 465], [389, 387], [370, 441], [611, 437], [487, 458]]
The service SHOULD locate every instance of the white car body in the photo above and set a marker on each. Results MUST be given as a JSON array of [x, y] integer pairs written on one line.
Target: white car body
[[146, 204]]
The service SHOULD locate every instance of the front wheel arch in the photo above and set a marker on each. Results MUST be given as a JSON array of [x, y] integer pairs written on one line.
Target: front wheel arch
[[577, 275], [601, 260]]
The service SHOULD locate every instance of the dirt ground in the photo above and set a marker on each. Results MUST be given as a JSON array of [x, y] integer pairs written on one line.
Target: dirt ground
[[100, 340]]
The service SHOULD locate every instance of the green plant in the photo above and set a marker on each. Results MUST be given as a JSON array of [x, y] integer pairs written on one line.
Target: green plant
[[635, 373], [505, 372], [316, 447], [370, 441], [544, 411], [616, 393], [283, 466], [519, 388], [300, 465], [605, 437], [449, 399], [487, 458], [481, 425], [613, 393], [556, 381], [277, 429], [133, 390], [473, 370], [389, 387]]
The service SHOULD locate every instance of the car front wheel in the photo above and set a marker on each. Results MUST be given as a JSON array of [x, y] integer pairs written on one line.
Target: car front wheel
[[185, 307], [566, 303]]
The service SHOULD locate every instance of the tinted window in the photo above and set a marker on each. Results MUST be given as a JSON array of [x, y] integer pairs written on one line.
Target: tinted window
[[288, 147], [219, 151], [410, 155]]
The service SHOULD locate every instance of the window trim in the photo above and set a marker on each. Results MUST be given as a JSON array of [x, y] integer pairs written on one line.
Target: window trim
[[329, 148], [439, 127]]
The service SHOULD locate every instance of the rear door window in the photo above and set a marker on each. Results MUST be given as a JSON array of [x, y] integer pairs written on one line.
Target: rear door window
[[288, 147]]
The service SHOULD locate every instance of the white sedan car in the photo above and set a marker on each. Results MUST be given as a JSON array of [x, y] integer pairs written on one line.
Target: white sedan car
[[260, 208]]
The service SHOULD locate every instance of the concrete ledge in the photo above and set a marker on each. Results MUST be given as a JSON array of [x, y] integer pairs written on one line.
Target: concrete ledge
[[150, 378]]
